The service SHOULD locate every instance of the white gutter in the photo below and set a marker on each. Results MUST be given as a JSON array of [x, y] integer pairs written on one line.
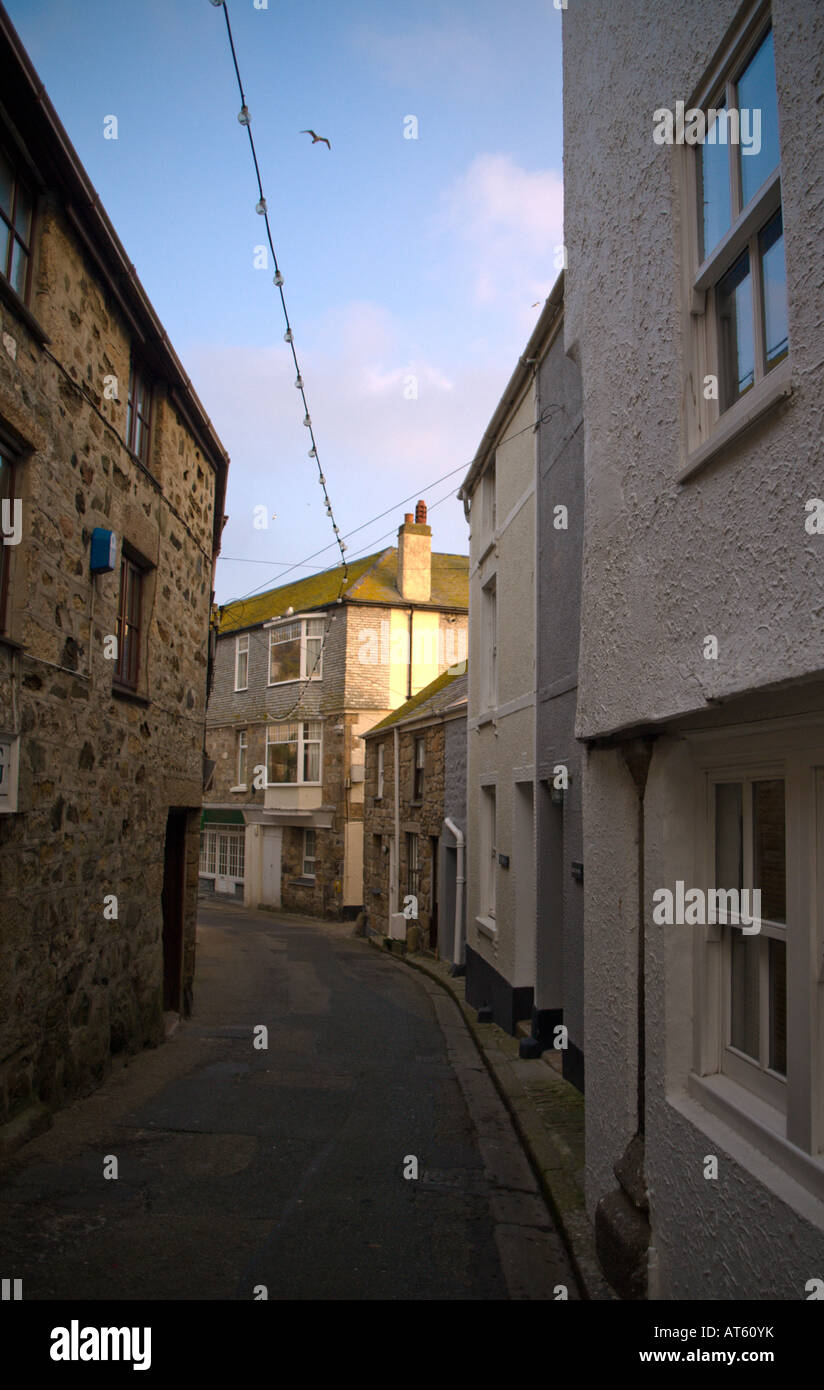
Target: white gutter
[[458, 938]]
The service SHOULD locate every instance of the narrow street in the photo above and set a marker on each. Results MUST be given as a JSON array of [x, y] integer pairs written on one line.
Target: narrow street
[[284, 1167]]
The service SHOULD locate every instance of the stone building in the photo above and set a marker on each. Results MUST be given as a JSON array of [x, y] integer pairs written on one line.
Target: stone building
[[300, 672], [410, 856], [113, 483], [693, 309]]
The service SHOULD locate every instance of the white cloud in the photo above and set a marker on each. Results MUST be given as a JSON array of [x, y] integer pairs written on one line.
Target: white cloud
[[510, 221]]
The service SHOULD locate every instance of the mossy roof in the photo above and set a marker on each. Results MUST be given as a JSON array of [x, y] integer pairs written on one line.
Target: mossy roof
[[371, 579], [443, 693]]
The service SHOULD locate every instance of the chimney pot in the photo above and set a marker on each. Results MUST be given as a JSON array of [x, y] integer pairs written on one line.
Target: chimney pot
[[408, 518], [420, 514]]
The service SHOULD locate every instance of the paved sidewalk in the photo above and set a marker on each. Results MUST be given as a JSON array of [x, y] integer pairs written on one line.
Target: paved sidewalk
[[548, 1114]]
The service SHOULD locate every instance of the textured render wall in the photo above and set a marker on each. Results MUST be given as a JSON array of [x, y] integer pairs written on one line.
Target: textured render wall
[[560, 963], [98, 773], [665, 564], [454, 795], [611, 955], [759, 1239], [508, 744]]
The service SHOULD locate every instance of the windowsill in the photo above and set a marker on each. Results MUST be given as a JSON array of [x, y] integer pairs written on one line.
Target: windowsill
[[764, 397], [123, 692], [242, 788], [303, 882], [293, 680], [18, 307], [269, 785], [487, 546], [484, 719], [760, 1124], [487, 927], [239, 689]]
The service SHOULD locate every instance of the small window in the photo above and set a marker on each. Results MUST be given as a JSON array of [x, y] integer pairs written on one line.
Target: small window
[[420, 755], [488, 853], [242, 662], [489, 650], [16, 211], [129, 614], [242, 743], [379, 792], [138, 415], [309, 843]]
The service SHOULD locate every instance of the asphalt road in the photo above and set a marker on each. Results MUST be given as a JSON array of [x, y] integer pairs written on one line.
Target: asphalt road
[[241, 1168]]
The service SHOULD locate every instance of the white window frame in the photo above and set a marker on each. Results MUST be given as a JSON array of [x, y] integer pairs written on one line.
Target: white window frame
[[307, 857], [222, 847], [302, 741], [793, 1134], [381, 767], [308, 670], [241, 756], [241, 650], [708, 428]]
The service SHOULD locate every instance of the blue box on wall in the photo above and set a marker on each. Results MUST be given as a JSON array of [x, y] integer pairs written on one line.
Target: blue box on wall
[[104, 551]]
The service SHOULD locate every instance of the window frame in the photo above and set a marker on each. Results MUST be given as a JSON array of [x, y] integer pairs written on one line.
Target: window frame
[[419, 769], [139, 379], [304, 638], [413, 864], [239, 652], [308, 858], [381, 773], [487, 877], [242, 757], [15, 239], [489, 645], [121, 678], [794, 1137], [708, 426], [303, 743]]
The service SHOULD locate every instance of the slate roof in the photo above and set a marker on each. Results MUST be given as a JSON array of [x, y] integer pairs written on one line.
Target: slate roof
[[370, 580], [445, 693]]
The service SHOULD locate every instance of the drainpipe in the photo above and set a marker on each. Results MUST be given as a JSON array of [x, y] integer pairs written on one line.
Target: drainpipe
[[458, 937], [396, 884]]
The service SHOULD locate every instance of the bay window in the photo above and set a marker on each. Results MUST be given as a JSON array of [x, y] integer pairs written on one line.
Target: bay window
[[295, 650], [293, 751]]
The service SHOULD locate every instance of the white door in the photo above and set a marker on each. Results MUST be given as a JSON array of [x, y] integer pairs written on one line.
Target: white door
[[270, 866]]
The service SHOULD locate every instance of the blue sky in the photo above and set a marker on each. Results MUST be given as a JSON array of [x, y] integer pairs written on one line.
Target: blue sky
[[401, 257]]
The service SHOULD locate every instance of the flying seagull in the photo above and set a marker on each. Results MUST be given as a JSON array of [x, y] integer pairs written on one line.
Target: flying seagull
[[317, 138]]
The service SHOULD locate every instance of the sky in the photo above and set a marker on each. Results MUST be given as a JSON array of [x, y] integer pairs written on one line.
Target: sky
[[414, 269]]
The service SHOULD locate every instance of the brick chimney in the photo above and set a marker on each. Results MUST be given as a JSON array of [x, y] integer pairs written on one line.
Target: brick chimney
[[415, 556]]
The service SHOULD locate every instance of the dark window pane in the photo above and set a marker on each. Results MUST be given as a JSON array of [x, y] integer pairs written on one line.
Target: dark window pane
[[769, 849], [6, 185], [774, 285], [5, 237], [736, 325], [284, 661], [22, 213], [714, 188], [744, 992], [729, 836], [778, 1006], [282, 762], [19, 266], [756, 94]]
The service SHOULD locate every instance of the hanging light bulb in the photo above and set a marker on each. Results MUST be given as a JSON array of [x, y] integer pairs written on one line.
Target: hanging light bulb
[[313, 453], [287, 337], [321, 478], [299, 382], [243, 115], [278, 280], [342, 545], [307, 420], [261, 207], [217, 2]]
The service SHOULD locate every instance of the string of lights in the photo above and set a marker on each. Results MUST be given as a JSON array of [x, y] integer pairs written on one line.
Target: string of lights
[[245, 119]]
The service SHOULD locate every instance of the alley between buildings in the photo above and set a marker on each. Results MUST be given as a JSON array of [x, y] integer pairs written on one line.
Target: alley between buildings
[[241, 1168]]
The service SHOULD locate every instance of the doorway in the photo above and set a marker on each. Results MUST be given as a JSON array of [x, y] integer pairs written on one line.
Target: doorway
[[173, 903]]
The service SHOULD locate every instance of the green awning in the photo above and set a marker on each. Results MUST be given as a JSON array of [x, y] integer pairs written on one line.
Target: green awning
[[214, 815]]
